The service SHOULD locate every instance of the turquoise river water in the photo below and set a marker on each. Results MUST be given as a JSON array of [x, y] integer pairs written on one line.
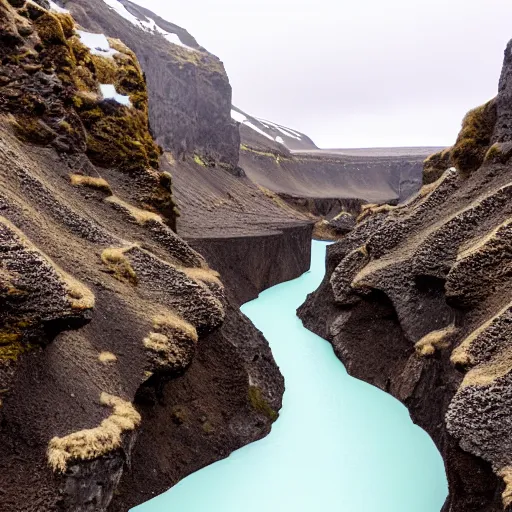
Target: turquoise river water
[[339, 444]]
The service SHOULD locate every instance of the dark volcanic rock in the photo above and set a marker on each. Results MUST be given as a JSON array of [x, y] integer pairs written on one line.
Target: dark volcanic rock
[[417, 301], [117, 340]]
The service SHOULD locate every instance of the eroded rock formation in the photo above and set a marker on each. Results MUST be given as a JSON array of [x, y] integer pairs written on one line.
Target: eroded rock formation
[[416, 301], [112, 328]]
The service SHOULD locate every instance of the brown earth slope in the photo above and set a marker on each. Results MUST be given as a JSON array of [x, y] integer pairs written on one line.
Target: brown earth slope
[[251, 236], [417, 301], [124, 365]]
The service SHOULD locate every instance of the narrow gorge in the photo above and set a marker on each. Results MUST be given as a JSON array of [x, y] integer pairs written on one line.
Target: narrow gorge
[[143, 216]]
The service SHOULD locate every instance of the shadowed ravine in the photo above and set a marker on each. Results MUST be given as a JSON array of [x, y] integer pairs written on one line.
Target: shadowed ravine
[[339, 444]]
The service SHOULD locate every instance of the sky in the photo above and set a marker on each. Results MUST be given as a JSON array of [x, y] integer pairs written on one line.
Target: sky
[[360, 73]]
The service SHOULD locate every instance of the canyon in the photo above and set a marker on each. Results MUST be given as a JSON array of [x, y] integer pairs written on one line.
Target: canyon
[[139, 209]]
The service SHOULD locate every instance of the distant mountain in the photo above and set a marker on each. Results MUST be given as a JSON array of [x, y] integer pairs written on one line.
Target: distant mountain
[[275, 133]]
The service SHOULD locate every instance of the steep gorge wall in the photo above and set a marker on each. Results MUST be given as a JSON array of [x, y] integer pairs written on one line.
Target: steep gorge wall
[[416, 300], [190, 103], [113, 331], [251, 264]]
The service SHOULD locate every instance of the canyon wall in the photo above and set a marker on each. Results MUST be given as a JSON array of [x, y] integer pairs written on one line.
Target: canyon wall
[[417, 301], [189, 91], [117, 339]]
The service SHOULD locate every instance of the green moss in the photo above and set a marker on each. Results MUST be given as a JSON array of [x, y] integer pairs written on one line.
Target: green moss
[[163, 200], [119, 137], [66, 126], [105, 69], [50, 30], [179, 415], [199, 161], [66, 22], [80, 51], [474, 139], [208, 428], [31, 129], [260, 404], [276, 156], [11, 346]]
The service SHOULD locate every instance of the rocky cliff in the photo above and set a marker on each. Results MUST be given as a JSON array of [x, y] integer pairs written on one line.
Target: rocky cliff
[[192, 118], [417, 301], [189, 91], [117, 339]]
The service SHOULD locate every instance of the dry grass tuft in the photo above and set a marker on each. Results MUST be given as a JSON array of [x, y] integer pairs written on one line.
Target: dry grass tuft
[[95, 442], [506, 474], [205, 275], [372, 209], [107, 357], [434, 340], [78, 180], [172, 321], [461, 356], [79, 296], [157, 342], [140, 216], [116, 260]]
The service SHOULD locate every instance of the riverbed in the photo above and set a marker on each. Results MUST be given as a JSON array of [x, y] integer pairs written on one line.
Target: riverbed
[[339, 444]]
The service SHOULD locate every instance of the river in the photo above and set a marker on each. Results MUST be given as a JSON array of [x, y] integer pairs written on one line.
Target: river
[[339, 444]]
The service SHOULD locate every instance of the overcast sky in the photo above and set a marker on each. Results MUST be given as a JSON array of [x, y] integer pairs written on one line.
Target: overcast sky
[[358, 73]]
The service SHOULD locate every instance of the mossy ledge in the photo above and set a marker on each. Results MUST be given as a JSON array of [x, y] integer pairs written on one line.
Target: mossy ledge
[[259, 403], [65, 109]]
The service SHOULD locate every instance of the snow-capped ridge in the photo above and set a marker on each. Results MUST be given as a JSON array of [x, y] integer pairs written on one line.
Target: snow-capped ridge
[[150, 25]]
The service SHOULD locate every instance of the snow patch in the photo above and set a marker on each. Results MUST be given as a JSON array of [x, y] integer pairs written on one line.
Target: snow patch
[[148, 26], [109, 92], [256, 129], [97, 43], [280, 140], [237, 116], [57, 8], [122, 11], [285, 131]]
